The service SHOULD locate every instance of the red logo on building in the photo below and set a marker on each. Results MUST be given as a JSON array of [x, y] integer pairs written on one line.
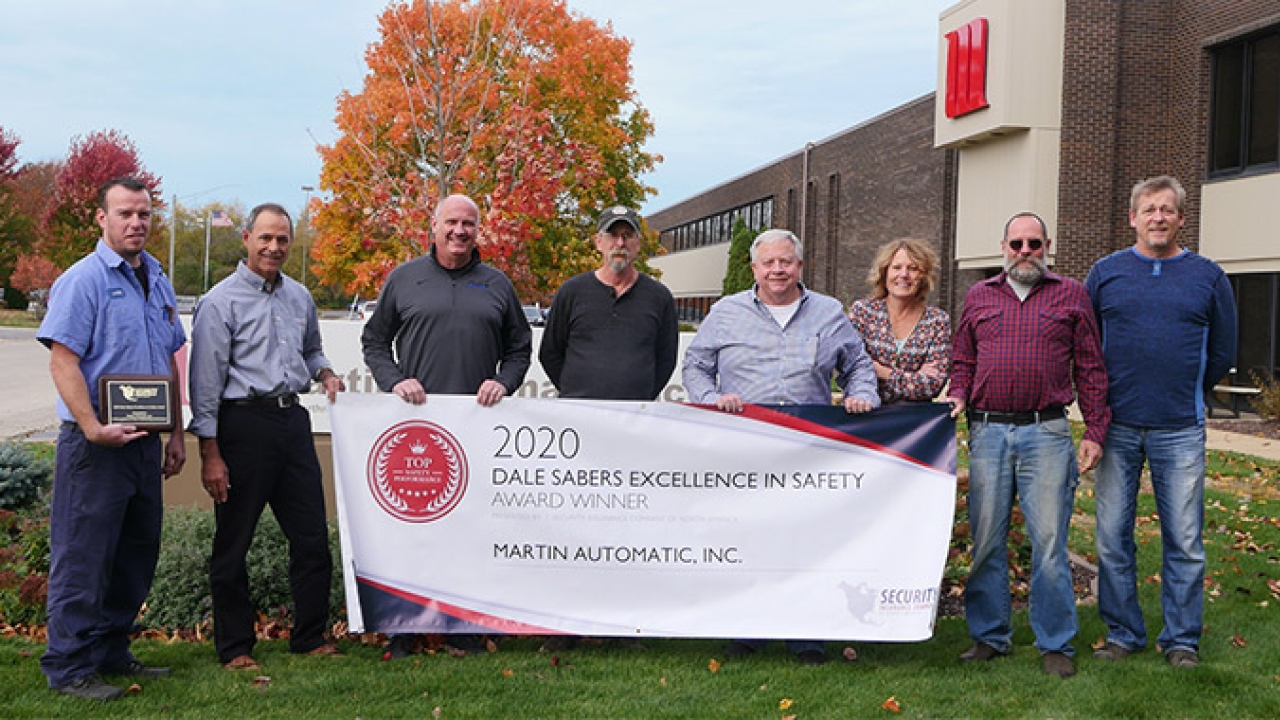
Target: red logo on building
[[417, 471], [967, 68]]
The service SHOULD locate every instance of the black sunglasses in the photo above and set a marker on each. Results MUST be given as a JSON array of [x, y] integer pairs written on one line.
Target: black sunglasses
[[1016, 244]]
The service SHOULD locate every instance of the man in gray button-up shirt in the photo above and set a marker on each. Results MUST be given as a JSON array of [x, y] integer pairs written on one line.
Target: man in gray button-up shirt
[[778, 344], [255, 346]]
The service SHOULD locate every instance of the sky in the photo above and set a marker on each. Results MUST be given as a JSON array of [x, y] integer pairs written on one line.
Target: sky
[[226, 100]]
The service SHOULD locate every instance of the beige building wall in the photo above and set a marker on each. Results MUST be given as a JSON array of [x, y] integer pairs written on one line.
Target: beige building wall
[[694, 273], [1009, 150], [1230, 231]]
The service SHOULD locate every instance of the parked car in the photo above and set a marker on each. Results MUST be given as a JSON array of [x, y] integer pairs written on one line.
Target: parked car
[[364, 310]]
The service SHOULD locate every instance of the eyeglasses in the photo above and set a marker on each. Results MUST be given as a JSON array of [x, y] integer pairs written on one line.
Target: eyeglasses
[[1016, 244]]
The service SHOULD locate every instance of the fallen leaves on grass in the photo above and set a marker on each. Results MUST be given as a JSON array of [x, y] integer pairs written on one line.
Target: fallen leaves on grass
[[892, 704], [713, 665], [850, 653], [133, 689], [785, 704], [1238, 641]]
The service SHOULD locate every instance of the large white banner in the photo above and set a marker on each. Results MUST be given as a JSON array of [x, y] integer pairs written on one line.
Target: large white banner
[[642, 519]]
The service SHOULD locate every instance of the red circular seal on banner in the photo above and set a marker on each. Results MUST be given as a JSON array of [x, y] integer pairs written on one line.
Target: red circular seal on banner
[[417, 471]]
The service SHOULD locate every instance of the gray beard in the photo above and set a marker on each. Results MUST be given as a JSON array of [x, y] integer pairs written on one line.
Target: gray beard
[[1021, 273]]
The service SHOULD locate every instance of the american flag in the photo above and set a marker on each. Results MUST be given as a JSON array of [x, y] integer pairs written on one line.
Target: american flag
[[221, 219]]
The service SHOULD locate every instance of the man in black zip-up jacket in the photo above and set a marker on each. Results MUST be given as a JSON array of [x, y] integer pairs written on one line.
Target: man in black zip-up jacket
[[455, 323], [456, 327]]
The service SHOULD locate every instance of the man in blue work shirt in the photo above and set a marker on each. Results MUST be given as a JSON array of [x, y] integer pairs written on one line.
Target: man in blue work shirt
[[112, 313]]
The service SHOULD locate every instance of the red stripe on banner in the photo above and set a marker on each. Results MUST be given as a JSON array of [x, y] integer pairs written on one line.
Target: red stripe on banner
[[773, 417], [497, 624]]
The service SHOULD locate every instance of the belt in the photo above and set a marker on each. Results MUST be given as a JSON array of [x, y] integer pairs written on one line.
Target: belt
[[1018, 418], [269, 401]]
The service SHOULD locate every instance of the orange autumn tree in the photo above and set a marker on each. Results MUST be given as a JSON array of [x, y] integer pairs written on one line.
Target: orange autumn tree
[[520, 104]]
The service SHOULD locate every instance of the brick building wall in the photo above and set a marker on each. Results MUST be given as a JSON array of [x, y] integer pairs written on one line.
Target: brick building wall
[[1136, 91], [877, 181]]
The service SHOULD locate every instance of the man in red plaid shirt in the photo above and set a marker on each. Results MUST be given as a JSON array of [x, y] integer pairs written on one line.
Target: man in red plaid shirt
[[1026, 348]]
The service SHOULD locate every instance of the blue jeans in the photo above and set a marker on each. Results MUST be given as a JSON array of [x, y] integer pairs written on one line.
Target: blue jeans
[[1036, 463], [1176, 460]]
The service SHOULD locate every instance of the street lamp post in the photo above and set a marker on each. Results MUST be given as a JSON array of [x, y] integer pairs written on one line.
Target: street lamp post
[[306, 216]]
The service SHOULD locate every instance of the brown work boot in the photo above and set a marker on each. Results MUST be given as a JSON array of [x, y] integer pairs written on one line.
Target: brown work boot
[[1056, 663]]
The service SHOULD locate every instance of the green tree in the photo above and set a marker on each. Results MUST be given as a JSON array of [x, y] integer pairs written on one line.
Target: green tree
[[738, 275]]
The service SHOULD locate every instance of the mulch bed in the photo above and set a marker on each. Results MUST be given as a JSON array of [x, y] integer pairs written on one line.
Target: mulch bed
[[1248, 425]]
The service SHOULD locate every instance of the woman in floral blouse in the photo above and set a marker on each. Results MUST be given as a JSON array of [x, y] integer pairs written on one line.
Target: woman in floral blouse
[[909, 342]]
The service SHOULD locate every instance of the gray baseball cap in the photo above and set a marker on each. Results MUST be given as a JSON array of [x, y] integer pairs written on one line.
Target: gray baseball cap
[[618, 213]]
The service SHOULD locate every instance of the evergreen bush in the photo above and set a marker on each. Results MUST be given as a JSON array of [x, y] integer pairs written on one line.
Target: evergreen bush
[[25, 477], [180, 596]]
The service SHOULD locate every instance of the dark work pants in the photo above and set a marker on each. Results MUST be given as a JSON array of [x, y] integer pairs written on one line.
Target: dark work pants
[[271, 460], [104, 540]]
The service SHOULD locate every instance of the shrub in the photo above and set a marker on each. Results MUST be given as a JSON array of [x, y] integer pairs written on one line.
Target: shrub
[[1267, 403], [24, 567], [25, 477], [180, 596]]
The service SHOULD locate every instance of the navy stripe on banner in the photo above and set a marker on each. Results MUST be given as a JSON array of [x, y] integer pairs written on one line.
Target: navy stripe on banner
[[924, 433]]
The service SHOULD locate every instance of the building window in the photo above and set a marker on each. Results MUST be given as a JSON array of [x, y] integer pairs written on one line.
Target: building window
[[718, 228], [1258, 303], [1244, 114]]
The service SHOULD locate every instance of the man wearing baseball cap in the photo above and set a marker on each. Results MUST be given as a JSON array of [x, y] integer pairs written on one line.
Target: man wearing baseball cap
[[612, 332]]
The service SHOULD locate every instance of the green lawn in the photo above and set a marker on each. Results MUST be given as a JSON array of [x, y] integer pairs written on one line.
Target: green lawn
[[1239, 676]]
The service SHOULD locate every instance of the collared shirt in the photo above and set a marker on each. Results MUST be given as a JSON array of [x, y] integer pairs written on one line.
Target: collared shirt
[[251, 338], [97, 310], [1011, 355], [740, 349]]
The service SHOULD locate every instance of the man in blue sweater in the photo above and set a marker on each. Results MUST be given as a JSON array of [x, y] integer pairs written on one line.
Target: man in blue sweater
[[1168, 320]]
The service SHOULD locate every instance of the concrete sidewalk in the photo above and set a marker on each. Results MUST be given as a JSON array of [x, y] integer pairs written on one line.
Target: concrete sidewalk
[[27, 400], [1246, 444]]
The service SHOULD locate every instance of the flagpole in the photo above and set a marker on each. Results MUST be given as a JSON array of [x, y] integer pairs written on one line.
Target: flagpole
[[208, 226], [173, 236]]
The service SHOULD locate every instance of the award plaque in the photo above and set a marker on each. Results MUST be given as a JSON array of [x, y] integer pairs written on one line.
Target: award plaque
[[144, 401]]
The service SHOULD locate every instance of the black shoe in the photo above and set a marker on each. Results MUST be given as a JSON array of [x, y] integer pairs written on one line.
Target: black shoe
[[737, 649], [401, 646], [469, 644], [981, 652], [559, 643], [1111, 652], [89, 687], [137, 669], [811, 657]]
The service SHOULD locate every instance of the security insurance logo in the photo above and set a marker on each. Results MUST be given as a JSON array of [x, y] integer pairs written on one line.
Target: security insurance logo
[[417, 471]]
